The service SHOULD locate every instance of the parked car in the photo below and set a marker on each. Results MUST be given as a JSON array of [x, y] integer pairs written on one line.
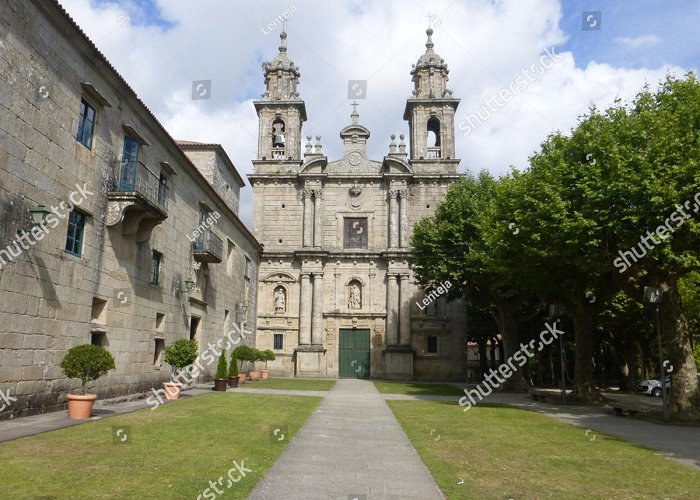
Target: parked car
[[653, 386]]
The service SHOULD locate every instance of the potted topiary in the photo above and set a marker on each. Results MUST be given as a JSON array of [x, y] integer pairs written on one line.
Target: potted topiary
[[221, 377], [233, 371], [179, 355], [255, 356], [267, 355], [87, 362], [244, 353]]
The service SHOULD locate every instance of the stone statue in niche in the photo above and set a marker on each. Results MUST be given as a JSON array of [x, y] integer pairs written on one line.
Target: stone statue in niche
[[355, 297], [280, 300]]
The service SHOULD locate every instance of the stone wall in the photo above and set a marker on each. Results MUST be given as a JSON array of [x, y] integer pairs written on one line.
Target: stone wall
[[51, 300]]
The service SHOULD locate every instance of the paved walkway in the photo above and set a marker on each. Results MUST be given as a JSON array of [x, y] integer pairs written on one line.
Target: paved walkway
[[351, 447], [281, 392]]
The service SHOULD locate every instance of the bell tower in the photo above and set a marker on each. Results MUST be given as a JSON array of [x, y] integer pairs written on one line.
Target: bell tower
[[281, 111], [430, 112]]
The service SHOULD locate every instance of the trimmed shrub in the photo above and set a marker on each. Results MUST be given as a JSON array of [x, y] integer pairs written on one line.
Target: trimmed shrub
[[181, 353], [233, 367], [87, 362], [221, 368], [267, 355]]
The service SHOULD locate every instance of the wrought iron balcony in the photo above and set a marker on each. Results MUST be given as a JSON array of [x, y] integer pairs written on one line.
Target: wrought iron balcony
[[137, 178], [140, 201], [207, 247]]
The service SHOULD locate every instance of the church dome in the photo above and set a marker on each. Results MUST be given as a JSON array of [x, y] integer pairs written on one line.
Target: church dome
[[282, 61], [430, 59]]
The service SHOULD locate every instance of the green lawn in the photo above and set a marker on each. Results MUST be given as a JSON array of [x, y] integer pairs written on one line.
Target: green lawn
[[418, 389], [172, 452], [298, 384], [503, 452]]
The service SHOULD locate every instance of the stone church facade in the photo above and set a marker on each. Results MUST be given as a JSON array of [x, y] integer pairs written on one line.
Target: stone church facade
[[336, 291]]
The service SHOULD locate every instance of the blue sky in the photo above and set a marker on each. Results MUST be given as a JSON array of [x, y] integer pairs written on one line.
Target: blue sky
[[675, 24]]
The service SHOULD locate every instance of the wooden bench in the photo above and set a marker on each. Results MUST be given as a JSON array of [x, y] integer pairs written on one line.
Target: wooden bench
[[622, 410], [538, 396]]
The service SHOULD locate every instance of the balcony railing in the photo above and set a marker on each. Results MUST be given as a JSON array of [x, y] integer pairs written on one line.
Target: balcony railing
[[135, 177], [434, 152], [278, 154], [208, 247]]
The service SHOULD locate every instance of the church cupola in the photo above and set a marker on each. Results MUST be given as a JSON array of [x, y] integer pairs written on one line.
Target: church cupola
[[431, 109], [281, 112]]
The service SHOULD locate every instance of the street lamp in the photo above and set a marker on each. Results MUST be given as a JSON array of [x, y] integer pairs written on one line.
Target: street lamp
[[243, 309], [652, 295], [39, 214], [556, 311]]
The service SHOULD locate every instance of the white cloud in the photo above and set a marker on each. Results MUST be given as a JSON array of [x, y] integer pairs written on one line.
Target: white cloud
[[639, 41], [485, 45]]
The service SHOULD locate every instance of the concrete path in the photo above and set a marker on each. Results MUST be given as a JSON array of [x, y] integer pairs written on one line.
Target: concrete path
[[280, 392], [352, 447]]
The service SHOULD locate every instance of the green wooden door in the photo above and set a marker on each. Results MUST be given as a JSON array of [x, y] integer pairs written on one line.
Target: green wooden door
[[354, 354]]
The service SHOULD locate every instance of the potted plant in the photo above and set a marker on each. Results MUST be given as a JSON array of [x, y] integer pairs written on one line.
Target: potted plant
[[179, 355], [233, 371], [255, 356], [244, 353], [267, 355], [87, 362], [221, 377]]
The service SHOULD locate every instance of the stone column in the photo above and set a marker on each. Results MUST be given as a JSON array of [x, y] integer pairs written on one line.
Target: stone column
[[403, 194], [317, 307], [393, 218], [318, 219], [307, 228], [392, 310], [305, 310], [404, 312]]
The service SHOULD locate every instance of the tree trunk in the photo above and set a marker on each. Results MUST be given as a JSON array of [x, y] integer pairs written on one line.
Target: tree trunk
[[584, 386], [516, 383], [492, 352], [482, 358], [685, 390]]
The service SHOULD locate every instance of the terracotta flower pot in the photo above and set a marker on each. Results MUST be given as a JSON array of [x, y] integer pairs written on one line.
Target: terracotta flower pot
[[220, 384], [233, 381], [265, 374], [241, 378], [172, 391], [80, 405], [254, 376]]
